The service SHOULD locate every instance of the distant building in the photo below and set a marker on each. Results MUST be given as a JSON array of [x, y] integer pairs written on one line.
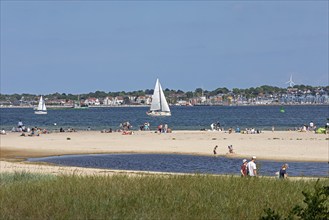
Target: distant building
[[109, 101], [146, 100], [92, 101]]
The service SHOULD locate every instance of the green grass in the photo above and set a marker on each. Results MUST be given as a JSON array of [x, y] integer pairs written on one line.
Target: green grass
[[22, 177], [30, 196]]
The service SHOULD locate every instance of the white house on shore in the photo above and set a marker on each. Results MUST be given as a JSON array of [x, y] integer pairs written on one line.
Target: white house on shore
[[92, 101], [113, 101]]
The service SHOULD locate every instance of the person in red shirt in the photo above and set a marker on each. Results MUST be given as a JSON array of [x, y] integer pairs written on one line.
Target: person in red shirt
[[244, 168]]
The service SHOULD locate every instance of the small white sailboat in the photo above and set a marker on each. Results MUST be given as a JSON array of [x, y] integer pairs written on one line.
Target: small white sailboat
[[41, 109], [159, 105]]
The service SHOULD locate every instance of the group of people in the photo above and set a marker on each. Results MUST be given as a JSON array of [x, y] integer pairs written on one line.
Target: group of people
[[163, 128], [251, 131], [304, 127], [69, 129], [20, 127], [312, 127], [125, 126], [230, 149], [36, 131], [250, 169], [215, 126], [145, 126]]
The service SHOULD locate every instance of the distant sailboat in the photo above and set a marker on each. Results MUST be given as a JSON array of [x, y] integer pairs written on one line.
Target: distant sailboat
[[282, 109], [159, 105], [77, 105], [41, 109]]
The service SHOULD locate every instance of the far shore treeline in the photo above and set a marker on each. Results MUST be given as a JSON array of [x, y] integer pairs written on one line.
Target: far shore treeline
[[175, 95]]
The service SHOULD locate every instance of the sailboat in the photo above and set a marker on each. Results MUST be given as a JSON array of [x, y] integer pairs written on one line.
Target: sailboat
[[41, 109], [77, 105], [159, 105]]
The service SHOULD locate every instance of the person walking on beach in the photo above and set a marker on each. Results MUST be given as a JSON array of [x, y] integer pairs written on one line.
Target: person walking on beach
[[283, 171], [215, 152], [251, 166], [244, 168]]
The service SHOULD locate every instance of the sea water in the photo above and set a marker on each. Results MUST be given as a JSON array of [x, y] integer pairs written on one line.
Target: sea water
[[183, 118]]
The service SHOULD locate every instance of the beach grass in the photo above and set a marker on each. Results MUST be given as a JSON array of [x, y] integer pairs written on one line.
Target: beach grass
[[36, 196]]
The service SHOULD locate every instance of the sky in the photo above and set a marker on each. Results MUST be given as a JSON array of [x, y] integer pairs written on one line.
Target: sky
[[86, 46]]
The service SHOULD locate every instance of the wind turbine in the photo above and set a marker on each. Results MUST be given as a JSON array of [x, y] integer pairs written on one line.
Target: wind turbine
[[291, 83]]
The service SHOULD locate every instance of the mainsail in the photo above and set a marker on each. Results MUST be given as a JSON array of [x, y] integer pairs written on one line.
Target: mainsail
[[159, 105], [41, 109]]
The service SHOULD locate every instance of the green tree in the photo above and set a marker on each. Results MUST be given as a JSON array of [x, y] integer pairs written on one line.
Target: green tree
[[189, 95], [198, 92]]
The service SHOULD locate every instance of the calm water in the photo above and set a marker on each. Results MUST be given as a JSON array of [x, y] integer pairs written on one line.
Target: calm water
[[183, 164], [183, 118]]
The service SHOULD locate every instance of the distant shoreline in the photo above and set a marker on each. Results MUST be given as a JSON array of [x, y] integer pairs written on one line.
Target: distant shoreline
[[138, 106]]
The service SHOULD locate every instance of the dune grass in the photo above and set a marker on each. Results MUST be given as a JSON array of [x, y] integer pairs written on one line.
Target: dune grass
[[32, 196]]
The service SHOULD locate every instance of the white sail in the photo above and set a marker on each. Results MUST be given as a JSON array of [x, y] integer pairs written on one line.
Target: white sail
[[44, 108], [159, 105], [41, 109], [155, 104], [40, 106], [163, 102]]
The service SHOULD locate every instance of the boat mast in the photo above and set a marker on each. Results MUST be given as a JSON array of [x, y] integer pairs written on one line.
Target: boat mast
[[160, 95]]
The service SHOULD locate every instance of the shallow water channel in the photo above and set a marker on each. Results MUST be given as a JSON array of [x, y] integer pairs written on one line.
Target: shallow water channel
[[183, 164]]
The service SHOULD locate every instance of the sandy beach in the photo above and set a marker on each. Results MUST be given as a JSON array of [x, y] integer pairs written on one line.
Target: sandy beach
[[278, 146]]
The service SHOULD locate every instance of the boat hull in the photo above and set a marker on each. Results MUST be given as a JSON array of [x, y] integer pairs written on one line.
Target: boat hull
[[158, 113], [40, 112]]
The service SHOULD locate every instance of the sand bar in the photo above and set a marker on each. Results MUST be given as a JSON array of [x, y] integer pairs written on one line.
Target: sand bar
[[278, 145]]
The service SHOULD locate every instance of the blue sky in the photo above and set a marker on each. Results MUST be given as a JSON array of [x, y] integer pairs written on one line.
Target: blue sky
[[84, 46]]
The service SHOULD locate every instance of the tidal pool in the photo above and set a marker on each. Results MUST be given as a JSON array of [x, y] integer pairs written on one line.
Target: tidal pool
[[178, 163]]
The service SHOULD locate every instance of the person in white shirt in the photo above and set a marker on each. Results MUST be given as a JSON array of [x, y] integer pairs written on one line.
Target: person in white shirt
[[252, 169], [20, 124], [312, 126]]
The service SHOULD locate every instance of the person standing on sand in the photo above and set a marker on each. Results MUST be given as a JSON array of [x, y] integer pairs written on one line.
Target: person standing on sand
[[244, 168], [251, 166], [283, 171], [20, 124]]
